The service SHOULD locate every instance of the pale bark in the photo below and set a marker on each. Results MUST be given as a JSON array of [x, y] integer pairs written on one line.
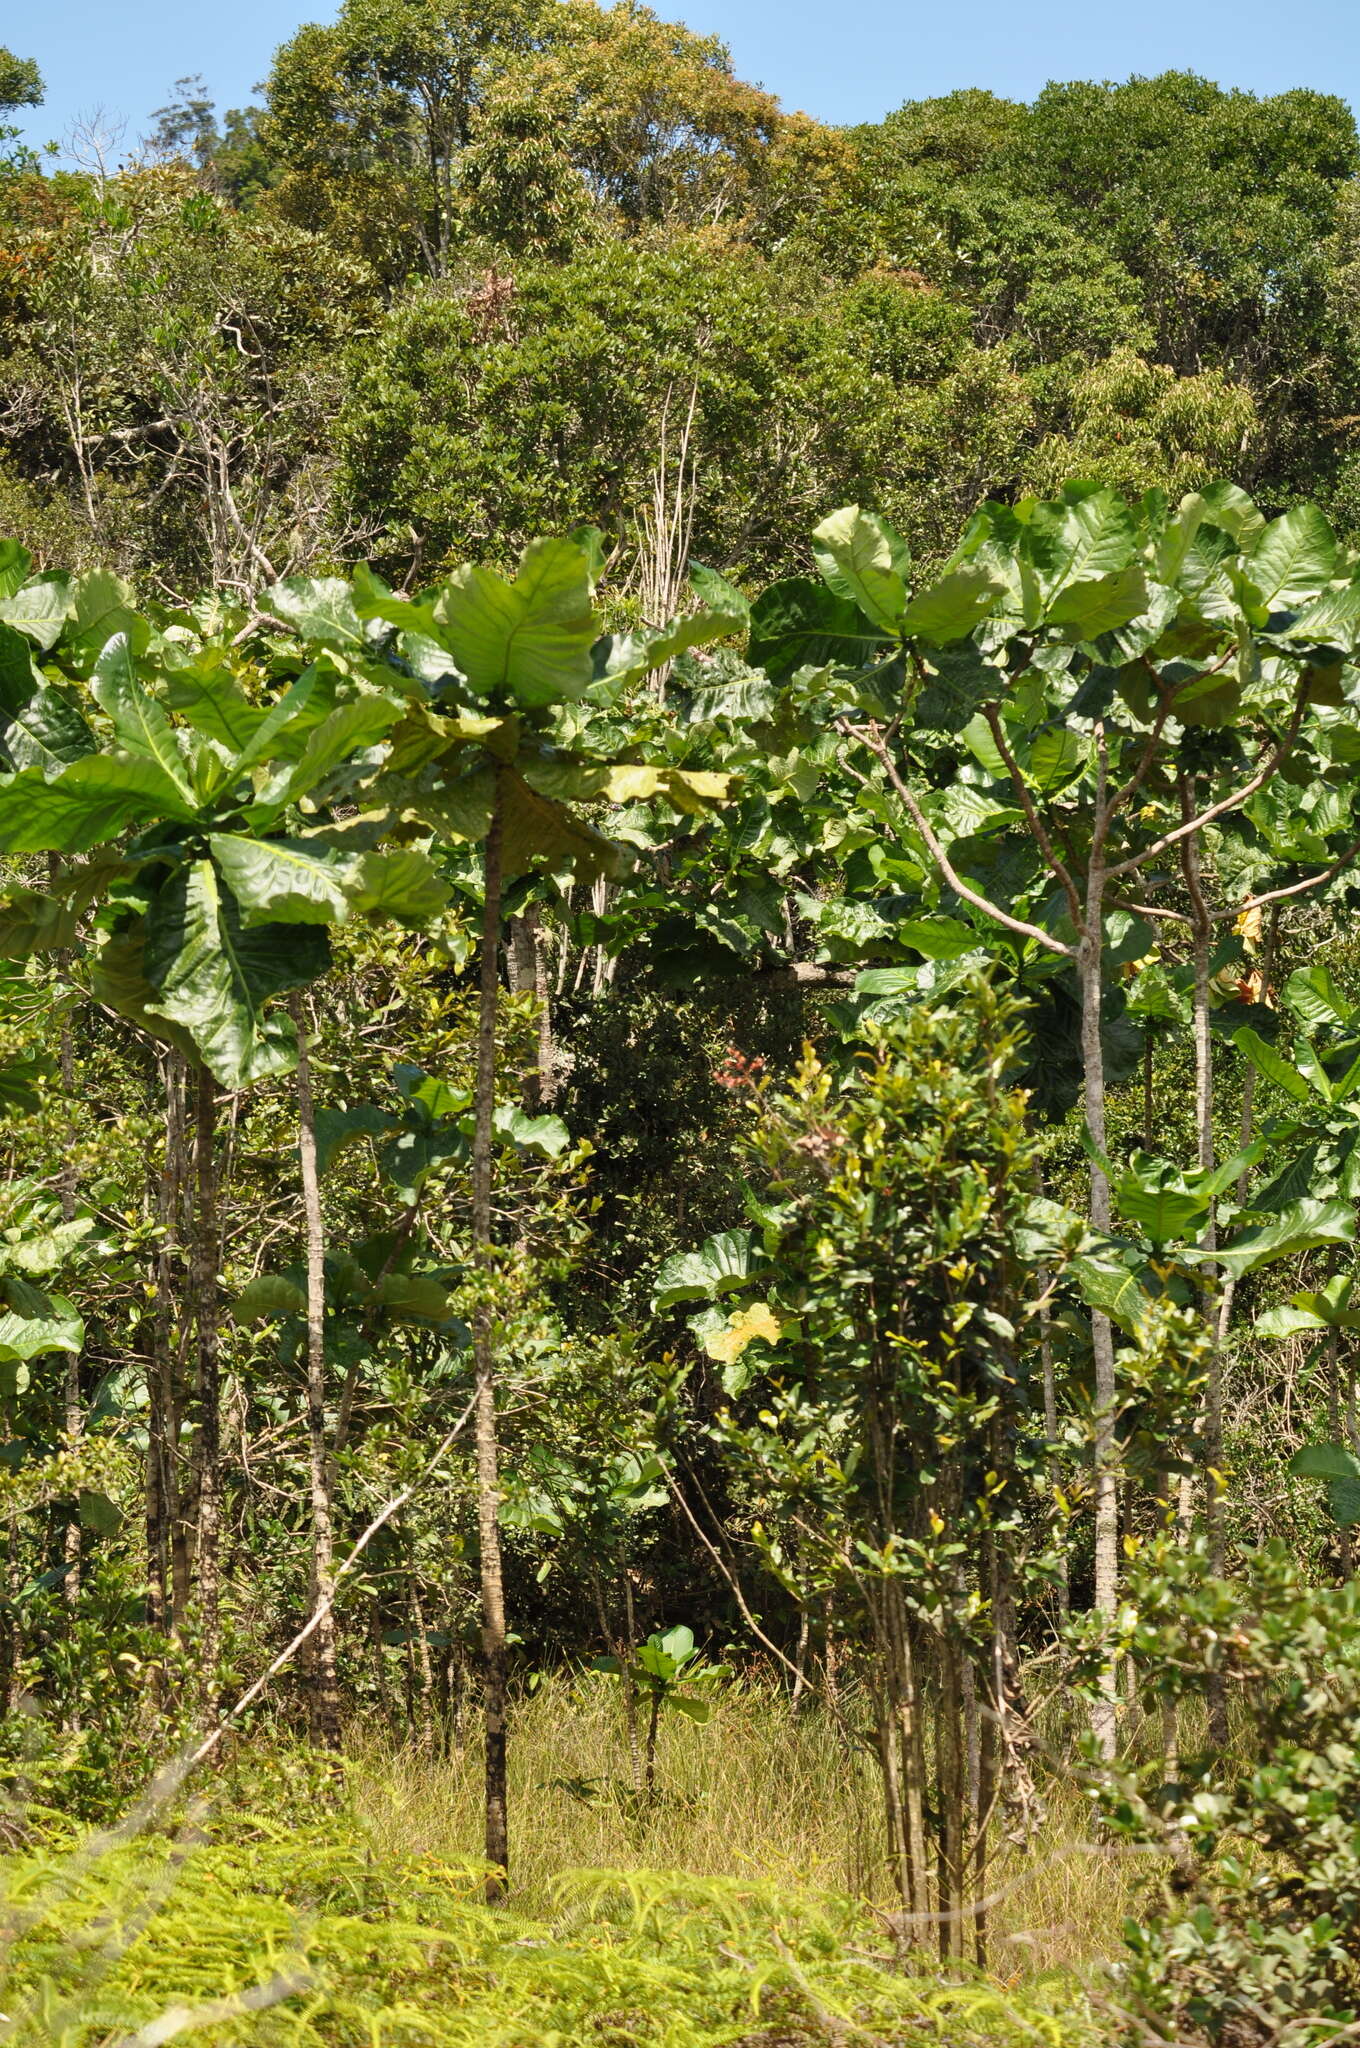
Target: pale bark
[[325, 1688], [204, 1288], [494, 1653]]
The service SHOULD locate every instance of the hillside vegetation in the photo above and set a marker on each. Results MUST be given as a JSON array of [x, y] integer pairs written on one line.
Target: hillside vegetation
[[679, 1058]]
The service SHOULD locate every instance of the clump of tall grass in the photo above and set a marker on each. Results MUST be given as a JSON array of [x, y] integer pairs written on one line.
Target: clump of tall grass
[[758, 1793]]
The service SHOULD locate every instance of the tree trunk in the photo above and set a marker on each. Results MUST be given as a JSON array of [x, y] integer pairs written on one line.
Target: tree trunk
[[167, 1577], [494, 1655], [325, 1715], [1105, 1448], [529, 976], [1202, 934], [73, 1415], [203, 1281]]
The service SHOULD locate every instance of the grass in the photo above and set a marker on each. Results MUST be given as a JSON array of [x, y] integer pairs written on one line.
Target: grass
[[312, 1903], [755, 1793]]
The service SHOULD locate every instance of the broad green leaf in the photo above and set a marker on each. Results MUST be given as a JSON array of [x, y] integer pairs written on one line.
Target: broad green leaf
[[1272, 1065], [539, 833], [348, 730], [49, 732], [1099, 604], [321, 610], [693, 1709], [863, 560], [530, 639], [101, 608], [716, 594], [1107, 1284], [19, 674], [212, 978], [49, 1250], [1241, 1162], [284, 730], [1324, 1461], [92, 800], [16, 566], [283, 881], [36, 1322], [97, 1512], [1286, 1321], [952, 607], [432, 1094], [1301, 1228], [1053, 759], [402, 883], [208, 697], [1152, 1194], [267, 1296], [801, 624], [723, 1263], [338, 1128], [39, 610], [416, 1295], [936, 938], [138, 719], [1067, 543], [1343, 1498], [118, 980], [546, 1134], [413, 1154], [1312, 996], [1294, 557], [1228, 505]]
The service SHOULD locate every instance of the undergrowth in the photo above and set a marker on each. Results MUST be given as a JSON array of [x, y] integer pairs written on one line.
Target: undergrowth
[[304, 1934], [298, 1899]]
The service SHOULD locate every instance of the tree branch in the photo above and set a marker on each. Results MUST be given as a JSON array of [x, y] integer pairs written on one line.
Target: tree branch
[[992, 714], [1263, 773], [873, 739], [1295, 888]]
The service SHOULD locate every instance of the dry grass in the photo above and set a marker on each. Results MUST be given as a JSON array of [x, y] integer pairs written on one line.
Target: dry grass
[[756, 1794]]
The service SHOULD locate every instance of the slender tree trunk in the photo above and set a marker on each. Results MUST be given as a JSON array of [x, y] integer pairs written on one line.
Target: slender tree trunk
[[800, 1656], [165, 1405], [1050, 1399], [622, 1653], [494, 1653], [203, 1280], [325, 1689], [1105, 1448], [529, 967], [1245, 1126], [1202, 934], [73, 1417]]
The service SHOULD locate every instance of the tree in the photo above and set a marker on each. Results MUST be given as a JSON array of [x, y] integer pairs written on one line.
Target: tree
[[21, 82], [507, 658], [369, 118], [1159, 626], [187, 125], [215, 908]]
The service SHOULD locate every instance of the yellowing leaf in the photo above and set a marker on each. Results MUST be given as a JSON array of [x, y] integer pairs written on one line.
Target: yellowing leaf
[[743, 1328]]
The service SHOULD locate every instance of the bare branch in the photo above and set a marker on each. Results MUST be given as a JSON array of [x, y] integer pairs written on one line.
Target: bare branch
[[1236, 910], [874, 740], [992, 714], [1269, 763]]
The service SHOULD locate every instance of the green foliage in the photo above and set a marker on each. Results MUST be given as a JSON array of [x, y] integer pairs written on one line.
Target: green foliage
[[1263, 1935], [400, 1944]]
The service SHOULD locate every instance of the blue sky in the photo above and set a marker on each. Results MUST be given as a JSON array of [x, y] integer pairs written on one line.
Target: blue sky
[[842, 63]]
